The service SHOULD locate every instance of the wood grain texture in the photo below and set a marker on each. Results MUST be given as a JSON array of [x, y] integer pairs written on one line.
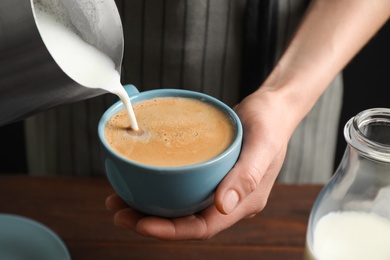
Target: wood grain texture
[[73, 207]]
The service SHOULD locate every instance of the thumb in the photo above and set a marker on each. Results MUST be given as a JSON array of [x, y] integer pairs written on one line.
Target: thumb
[[243, 179]]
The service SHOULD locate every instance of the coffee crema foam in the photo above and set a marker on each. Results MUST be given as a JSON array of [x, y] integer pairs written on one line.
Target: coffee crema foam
[[176, 132]]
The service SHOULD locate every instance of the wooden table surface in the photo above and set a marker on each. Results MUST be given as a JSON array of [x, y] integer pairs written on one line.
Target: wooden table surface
[[73, 207]]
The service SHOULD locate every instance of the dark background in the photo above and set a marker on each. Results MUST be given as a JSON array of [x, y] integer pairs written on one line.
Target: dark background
[[366, 85], [366, 82]]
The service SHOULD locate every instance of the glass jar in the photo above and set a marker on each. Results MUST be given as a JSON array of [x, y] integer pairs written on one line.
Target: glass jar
[[351, 216]]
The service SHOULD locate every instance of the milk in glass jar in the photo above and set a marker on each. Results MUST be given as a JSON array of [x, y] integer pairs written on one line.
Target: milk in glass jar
[[351, 216]]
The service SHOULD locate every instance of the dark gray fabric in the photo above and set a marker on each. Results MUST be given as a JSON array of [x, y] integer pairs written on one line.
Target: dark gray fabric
[[259, 43], [191, 44], [184, 44]]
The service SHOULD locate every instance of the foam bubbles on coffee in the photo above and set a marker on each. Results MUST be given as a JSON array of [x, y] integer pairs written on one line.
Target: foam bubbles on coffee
[[177, 132]]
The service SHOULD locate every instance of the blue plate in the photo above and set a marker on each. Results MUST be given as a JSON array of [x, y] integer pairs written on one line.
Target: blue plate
[[23, 238]]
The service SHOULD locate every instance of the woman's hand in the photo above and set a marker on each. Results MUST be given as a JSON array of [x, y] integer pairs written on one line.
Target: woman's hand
[[244, 191], [331, 33]]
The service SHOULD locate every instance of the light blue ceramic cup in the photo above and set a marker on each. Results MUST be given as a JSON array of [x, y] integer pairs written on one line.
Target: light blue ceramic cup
[[168, 191]]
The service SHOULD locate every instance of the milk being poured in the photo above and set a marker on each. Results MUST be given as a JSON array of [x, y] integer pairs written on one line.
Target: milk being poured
[[80, 60]]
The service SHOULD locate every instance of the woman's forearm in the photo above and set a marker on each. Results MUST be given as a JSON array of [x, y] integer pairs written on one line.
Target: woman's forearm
[[330, 35]]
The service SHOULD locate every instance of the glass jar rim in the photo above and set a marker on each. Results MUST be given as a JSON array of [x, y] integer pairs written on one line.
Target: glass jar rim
[[358, 139]]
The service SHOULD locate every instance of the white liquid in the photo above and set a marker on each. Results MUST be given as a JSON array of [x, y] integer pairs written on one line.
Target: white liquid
[[351, 236], [81, 61]]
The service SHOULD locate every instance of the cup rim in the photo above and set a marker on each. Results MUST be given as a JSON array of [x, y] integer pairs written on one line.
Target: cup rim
[[156, 93]]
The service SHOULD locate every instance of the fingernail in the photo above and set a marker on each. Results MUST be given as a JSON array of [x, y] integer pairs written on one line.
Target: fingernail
[[230, 201]]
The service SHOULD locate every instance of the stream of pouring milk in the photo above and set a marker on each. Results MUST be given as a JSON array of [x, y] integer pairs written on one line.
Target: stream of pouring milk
[[80, 60]]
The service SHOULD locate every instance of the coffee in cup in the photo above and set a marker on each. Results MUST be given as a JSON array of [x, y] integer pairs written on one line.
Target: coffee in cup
[[171, 190], [175, 131]]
